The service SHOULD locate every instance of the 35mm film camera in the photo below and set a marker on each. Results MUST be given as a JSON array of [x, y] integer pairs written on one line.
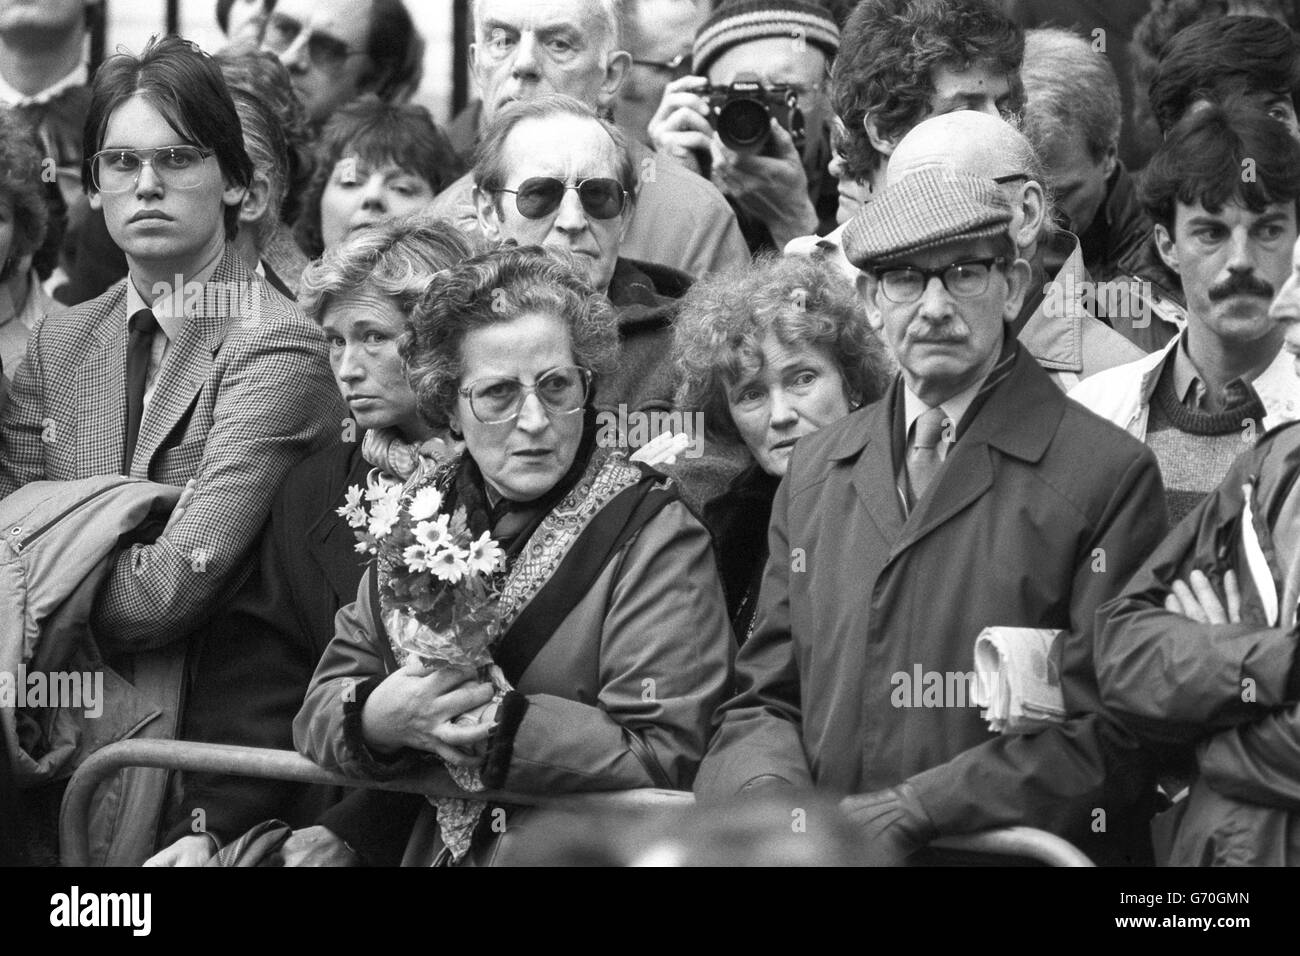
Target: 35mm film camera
[[741, 113]]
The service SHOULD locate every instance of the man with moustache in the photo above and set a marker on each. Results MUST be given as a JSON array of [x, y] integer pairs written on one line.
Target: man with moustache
[[1222, 191], [525, 48], [1199, 655], [974, 495], [1055, 323]]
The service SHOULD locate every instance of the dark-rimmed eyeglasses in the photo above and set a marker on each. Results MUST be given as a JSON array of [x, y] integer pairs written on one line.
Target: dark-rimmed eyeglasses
[[963, 280], [495, 401], [1010, 178], [118, 170], [323, 50], [539, 196]]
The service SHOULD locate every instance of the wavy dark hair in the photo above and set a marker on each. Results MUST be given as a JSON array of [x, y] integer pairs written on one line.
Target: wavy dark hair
[[888, 52], [185, 85], [500, 286], [376, 133], [802, 301], [1203, 159], [1220, 57]]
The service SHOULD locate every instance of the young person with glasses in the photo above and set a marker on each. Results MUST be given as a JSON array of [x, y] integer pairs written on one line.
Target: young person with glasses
[[191, 372], [614, 629]]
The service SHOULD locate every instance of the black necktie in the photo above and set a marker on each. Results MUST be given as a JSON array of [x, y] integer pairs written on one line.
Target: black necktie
[[139, 348]]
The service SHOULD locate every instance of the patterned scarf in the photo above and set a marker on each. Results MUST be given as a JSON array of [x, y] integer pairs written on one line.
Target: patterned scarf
[[398, 459]]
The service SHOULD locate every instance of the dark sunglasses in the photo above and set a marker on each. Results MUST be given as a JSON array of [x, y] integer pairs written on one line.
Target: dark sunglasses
[[322, 49], [538, 197]]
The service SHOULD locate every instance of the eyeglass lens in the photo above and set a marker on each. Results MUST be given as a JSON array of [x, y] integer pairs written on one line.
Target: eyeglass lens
[[117, 170], [540, 196], [496, 400]]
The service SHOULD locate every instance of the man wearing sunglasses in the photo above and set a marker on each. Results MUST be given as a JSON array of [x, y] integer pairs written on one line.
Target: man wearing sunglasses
[[523, 49], [552, 173], [337, 50], [191, 372], [974, 495]]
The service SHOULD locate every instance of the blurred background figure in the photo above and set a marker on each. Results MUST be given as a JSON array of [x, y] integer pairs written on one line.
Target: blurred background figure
[[243, 21], [44, 74], [1073, 117], [277, 139], [1163, 21], [374, 160], [659, 35], [770, 354], [337, 50], [26, 255], [798, 828]]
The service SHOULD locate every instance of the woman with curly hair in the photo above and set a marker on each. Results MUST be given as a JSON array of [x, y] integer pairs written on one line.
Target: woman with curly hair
[[374, 161], [612, 639], [770, 354]]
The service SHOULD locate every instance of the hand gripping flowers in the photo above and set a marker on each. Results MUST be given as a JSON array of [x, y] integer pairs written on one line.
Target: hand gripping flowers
[[439, 590]]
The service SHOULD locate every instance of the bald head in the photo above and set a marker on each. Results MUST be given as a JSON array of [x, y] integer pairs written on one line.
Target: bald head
[[984, 146], [974, 143]]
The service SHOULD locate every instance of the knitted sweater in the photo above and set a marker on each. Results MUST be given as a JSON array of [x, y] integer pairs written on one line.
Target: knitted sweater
[[1195, 448]]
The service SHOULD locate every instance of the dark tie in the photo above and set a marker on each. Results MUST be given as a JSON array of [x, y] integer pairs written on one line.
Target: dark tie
[[139, 348], [926, 454]]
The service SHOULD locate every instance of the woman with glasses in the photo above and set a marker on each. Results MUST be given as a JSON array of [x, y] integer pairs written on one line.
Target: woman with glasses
[[374, 161], [769, 355], [613, 627]]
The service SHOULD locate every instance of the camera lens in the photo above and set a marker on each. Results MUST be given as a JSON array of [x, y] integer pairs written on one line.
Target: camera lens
[[743, 123]]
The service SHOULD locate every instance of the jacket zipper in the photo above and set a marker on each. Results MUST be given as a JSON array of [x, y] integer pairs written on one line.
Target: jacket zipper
[[20, 545]]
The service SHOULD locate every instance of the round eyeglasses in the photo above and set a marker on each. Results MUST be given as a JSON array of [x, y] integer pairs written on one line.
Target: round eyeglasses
[[964, 280], [495, 401], [539, 196], [118, 170]]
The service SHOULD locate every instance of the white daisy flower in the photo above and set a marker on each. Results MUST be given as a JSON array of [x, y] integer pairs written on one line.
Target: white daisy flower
[[485, 555], [383, 515], [425, 504], [352, 509], [434, 534], [449, 565], [416, 558]]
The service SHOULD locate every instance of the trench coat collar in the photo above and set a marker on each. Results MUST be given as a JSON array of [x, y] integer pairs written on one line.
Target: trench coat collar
[[1019, 419]]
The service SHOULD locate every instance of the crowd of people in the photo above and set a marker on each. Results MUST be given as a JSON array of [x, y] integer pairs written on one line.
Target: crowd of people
[[880, 411]]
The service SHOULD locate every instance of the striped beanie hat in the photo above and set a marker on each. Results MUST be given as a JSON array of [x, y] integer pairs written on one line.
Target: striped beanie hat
[[738, 21]]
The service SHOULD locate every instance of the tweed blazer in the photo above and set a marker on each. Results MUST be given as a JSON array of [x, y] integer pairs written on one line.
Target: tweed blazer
[[243, 393]]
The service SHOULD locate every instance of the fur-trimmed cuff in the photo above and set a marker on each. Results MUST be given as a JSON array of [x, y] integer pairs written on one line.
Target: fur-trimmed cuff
[[501, 740], [375, 764]]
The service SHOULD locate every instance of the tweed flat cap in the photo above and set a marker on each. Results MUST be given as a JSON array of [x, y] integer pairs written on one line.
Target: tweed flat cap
[[739, 21], [929, 208]]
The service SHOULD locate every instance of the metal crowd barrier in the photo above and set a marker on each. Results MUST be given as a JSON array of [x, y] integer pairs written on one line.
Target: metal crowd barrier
[[187, 756]]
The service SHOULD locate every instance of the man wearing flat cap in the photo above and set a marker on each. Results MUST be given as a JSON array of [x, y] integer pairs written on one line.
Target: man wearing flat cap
[[973, 495]]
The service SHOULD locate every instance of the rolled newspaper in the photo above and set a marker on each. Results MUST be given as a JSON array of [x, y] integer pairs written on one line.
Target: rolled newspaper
[[1019, 679]]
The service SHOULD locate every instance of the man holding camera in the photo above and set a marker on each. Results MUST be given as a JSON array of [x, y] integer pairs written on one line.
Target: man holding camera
[[754, 118]]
